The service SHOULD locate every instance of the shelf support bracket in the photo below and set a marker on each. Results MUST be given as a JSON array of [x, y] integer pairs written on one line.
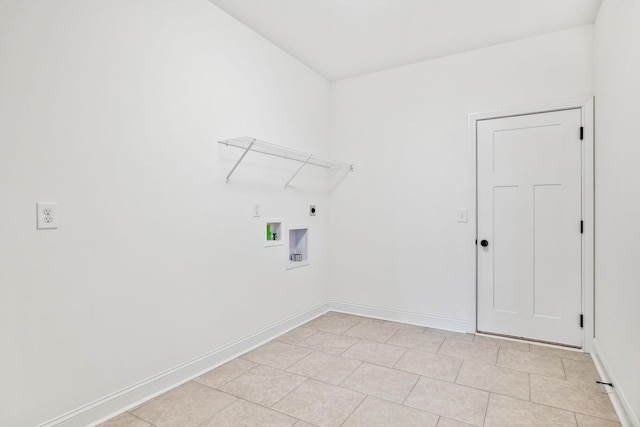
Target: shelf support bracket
[[299, 169], [240, 159]]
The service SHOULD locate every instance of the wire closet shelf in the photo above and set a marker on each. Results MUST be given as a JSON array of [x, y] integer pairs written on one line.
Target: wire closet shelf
[[247, 144]]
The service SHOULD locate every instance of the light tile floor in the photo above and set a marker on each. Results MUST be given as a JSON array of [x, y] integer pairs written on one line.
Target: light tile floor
[[345, 370]]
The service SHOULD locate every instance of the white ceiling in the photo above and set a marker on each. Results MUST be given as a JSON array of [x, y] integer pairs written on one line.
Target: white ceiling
[[345, 38]]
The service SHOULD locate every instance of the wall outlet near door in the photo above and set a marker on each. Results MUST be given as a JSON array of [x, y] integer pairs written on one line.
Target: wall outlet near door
[[47, 215]]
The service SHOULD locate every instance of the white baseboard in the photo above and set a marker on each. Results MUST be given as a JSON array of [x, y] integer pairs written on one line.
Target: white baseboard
[[618, 399], [419, 319], [109, 406]]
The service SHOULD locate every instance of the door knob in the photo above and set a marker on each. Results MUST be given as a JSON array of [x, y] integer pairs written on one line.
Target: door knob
[[484, 243]]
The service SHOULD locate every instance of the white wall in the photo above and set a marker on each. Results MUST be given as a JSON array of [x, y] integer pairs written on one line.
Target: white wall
[[617, 153], [113, 109], [395, 240]]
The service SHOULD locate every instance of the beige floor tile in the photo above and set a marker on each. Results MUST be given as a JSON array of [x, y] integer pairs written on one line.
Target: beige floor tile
[[382, 382], [263, 385], [447, 422], [508, 412], [587, 421], [328, 342], [368, 321], [430, 365], [375, 412], [416, 340], [583, 372], [565, 354], [503, 343], [320, 404], [450, 334], [332, 322], [374, 352], [531, 362], [325, 367], [369, 331], [449, 400], [125, 420], [301, 423], [499, 380], [187, 405], [247, 414], [296, 335], [221, 375], [276, 354], [402, 326], [476, 352], [576, 397]]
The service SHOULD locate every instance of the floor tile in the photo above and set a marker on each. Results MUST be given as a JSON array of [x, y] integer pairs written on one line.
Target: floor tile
[[263, 385], [325, 367], [430, 365], [476, 352], [503, 343], [301, 423], [247, 414], [449, 400], [369, 331], [320, 404], [382, 382], [558, 352], [505, 411], [583, 372], [576, 397], [587, 421], [187, 405], [376, 353], [531, 362], [276, 354], [331, 322], [328, 342], [125, 420], [402, 326], [375, 412], [450, 334], [417, 341], [446, 422], [496, 379], [296, 335], [221, 375]]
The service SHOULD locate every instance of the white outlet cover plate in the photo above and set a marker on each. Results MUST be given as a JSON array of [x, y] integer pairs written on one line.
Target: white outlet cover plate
[[47, 214]]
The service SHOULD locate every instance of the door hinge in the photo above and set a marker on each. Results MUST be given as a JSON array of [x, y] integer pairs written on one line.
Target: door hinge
[[581, 227], [581, 133], [582, 320]]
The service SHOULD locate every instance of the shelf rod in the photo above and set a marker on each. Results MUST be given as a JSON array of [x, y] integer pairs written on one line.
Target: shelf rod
[[299, 169], [240, 159]]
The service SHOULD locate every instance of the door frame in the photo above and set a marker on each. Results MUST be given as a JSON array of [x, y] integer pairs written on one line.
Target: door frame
[[587, 111]]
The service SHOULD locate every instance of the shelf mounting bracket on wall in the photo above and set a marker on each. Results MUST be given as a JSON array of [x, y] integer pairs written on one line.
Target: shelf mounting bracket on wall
[[299, 169], [252, 144], [240, 159]]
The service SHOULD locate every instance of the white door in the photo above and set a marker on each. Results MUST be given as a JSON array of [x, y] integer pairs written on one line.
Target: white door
[[529, 216]]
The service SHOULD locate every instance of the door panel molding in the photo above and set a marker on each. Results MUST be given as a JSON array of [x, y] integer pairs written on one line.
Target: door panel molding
[[586, 107]]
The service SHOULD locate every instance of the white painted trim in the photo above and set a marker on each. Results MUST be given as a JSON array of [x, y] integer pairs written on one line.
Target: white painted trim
[[616, 395], [114, 404], [586, 105], [449, 324]]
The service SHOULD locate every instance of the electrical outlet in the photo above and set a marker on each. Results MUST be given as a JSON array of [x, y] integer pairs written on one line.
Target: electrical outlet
[[47, 214], [312, 210], [256, 209]]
